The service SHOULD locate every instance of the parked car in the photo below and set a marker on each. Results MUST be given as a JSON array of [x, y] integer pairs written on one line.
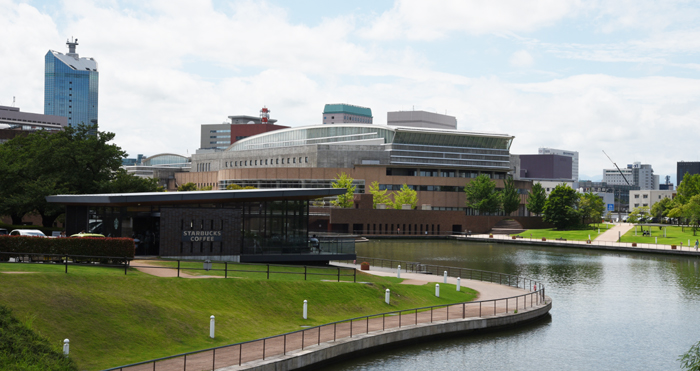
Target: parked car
[[94, 235], [4, 232], [27, 232]]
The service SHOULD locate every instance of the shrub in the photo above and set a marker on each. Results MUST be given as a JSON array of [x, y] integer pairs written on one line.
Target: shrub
[[116, 247]]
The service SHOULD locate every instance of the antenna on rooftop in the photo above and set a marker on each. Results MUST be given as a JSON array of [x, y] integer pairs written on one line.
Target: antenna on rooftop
[[13, 101]]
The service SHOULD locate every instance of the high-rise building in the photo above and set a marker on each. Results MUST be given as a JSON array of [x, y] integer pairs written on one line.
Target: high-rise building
[[70, 86], [341, 113], [684, 167], [636, 174], [563, 152]]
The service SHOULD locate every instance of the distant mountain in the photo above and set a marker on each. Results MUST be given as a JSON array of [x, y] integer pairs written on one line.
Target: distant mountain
[[597, 178]]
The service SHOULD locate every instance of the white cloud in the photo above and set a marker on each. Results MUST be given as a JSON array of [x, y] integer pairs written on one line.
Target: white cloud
[[424, 20], [521, 58]]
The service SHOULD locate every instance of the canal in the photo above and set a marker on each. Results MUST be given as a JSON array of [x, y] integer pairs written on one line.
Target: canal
[[611, 311]]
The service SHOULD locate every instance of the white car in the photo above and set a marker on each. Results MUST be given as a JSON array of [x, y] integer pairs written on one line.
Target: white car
[[27, 232]]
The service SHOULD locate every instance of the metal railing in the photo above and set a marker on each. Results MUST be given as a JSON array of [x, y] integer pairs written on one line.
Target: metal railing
[[65, 260], [267, 269], [239, 353]]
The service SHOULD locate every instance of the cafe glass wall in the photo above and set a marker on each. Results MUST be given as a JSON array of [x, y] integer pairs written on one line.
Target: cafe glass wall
[[275, 227]]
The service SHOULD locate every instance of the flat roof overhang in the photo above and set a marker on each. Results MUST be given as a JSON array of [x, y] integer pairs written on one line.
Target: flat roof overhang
[[194, 197]]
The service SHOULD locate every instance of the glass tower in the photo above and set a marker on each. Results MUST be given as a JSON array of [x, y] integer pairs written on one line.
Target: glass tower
[[70, 86]]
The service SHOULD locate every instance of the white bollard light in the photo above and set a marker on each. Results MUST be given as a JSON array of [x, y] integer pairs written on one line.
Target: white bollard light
[[398, 272], [211, 327], [656, 240], [305, 308], [437, 290], [444, 277], [387, 295], [598, 230], [66, 347], [459, 283]]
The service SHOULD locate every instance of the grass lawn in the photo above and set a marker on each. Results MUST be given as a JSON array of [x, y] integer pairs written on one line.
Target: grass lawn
[[114, 319], [574, 234], [674, 235]]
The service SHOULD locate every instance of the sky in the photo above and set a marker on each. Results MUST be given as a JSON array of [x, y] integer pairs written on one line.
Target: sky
[[589, 76]]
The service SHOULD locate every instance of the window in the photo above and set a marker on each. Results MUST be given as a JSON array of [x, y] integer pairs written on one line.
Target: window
[[646, 196], [294, 160], [235, 164], [306, 160], [636, 205], [265, 161], [636, 196], [277, 162], [645, 205]]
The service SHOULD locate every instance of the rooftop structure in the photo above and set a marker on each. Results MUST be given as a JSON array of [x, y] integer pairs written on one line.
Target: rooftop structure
[[342, 113], [71, 86], [421, 119], [14, 123], [544, 167], [218, 137]]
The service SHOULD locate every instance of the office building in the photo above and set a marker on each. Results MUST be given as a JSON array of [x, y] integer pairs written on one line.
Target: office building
[[563, 152], [636, 174], [647, 197], [686, 167], [218, 137], [71, 86], [14, 123], [421, 119], [343, 113], [543, 167]]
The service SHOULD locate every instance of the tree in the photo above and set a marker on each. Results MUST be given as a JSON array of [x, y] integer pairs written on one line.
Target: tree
[[76, 160], [661, 208], [560, 207], [127, 183], [405, 196], [510, 199], [379, 197], [691, 359], [536, 199], [236, 187], [345, 200], [187, 187], [691, 211], [591, 207], [639, 215], [481, 195], [689, 187]]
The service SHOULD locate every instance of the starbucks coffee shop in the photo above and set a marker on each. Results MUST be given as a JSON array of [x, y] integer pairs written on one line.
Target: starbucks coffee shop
[[252, 225]]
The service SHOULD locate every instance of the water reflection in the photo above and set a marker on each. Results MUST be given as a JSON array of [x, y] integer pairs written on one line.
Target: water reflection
[[612, 311]]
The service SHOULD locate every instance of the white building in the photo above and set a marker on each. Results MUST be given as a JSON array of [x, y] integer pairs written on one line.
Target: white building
[[563, 152], [647, 198], [421, 119], [637, 174]]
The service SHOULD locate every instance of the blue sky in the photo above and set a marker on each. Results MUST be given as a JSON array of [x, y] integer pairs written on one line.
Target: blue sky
[[619, 76]]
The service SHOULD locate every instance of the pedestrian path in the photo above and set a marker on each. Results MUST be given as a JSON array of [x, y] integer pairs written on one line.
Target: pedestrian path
[[613, 234]]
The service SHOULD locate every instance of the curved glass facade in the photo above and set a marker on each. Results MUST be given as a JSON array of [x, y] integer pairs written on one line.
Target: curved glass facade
[[165, 159], [345, 133]]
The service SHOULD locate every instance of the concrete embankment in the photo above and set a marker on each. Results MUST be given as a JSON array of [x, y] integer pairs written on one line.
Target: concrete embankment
[[594, 245]]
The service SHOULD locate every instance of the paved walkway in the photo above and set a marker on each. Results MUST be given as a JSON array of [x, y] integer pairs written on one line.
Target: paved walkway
[[614, 233], [228, 358]]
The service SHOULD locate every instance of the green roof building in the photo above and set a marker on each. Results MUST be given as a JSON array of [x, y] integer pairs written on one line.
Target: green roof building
[[341, 113]]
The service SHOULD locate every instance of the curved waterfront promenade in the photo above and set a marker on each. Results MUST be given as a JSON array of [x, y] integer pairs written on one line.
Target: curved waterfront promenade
[[497, 306]]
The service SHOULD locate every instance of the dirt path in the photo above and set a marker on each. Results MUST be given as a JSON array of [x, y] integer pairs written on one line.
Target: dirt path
[[159, 271]]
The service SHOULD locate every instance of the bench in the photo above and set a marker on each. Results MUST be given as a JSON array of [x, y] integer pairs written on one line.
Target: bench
[[561, 239]]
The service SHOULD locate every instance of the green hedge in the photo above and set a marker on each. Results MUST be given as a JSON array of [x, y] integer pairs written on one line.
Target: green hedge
[[116, 247]]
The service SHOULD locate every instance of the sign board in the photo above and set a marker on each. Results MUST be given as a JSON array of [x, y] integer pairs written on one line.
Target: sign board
[[611, 207], [201, 236]]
